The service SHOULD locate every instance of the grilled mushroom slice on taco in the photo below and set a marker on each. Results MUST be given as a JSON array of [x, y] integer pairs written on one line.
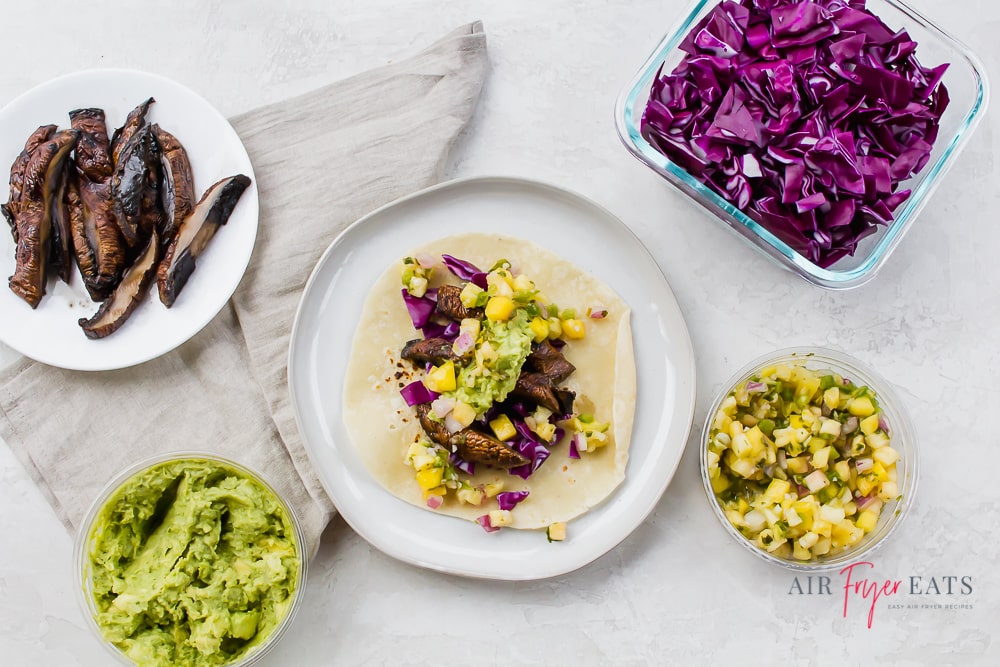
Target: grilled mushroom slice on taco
[[480, 386]]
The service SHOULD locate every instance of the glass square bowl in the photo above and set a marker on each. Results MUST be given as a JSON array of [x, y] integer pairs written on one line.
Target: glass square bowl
[[968, 91]]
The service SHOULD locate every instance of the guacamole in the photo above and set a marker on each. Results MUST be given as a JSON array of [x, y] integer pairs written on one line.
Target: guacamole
[[510, 343], [194, 563]]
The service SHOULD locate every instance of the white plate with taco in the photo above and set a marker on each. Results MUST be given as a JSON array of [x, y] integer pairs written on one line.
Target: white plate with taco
[[463, 369]]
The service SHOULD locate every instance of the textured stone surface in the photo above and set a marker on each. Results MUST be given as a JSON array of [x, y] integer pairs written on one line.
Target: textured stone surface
[[676, 591]]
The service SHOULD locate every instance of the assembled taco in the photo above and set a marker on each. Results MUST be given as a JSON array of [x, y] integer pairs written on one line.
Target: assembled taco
[[492, 380]]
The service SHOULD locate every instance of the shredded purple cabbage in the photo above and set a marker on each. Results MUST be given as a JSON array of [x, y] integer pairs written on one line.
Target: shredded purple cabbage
[[416, 393], [449, 330], [465, 270], [806, 115], [468, 467], [509, 499], [420, 308], [530, 446]]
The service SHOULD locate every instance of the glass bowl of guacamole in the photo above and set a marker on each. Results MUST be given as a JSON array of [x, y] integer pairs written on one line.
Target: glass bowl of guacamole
[[190, 560]]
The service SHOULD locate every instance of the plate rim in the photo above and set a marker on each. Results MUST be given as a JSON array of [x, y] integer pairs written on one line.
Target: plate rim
[[139, 359], [601, 547]]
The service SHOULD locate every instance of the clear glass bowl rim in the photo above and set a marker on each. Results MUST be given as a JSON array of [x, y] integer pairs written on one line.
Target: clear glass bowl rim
[[903, 440], [80, 552]]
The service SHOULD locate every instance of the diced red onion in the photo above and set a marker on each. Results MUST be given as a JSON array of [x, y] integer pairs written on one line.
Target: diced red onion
[[484, 521], [452, 424], [416, 393], [463, 343], [756, 387], [864, 465], [782, 460], [434, 502], [426, 260], [884, 425], [442, 406], [598, 311], [509, 499], [850, 426], [864, 501]]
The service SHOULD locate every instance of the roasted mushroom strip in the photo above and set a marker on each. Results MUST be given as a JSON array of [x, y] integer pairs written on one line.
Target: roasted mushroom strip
[[176, 183], [135, 121], [97, 242], [43, 175], [481, 448], [449, 304], [122, 303], [61, 247], [539, 389], [135, 186], [548, 360], [434, 350], [195, 232], [470, 444], [13, 204]]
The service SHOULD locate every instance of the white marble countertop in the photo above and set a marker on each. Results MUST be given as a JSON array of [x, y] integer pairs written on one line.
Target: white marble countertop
[[678, 590]]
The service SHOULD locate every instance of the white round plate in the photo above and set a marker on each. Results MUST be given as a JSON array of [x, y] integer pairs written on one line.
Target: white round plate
[[565, 223], [50, 333]]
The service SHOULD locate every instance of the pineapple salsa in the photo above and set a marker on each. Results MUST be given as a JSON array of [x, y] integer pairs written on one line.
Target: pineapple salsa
[[801, 461], [491, 390]]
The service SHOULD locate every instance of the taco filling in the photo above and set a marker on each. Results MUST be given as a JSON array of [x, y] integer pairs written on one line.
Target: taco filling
[[497, 422]]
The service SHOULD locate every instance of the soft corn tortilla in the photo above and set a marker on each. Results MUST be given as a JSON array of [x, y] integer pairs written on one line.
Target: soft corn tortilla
[[382, 426]]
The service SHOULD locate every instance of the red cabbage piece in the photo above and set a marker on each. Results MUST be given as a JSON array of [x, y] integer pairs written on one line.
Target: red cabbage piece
[[449, 330], [420, 308], [529, 445], [805, 114], [416, 393], [509, 499], [468, 467], [465, 270]]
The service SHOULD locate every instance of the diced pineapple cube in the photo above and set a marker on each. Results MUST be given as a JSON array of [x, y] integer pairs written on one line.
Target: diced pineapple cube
[[430, 478], [545, 430], [471, 326], [861, 407], [795, 422], [831, 397], [877, 440], [556, 532], [816, 480], [809, 540], [776, 490], [801, 553], [830, 427], [846, 533], [471, 495], [754, 520], [843, 469], [822, 546], [792, 518], [821, 458], [470, 295], [441, 378], [486, 355], [799, 465], [742, 467], [783, 372], [555, 327], [831, 514], [867, 521], [539, 329], [887, 456], [821, 527], [492, 489], [436, 491], [880, 472], [523, 283], [574, 329], [415, 449], [463, 413], [806, 390], [755, 438], [869, 424], [734, 517], [499, 283], [889, 491], [501, 518], [499, 308], [741, 445], [503, 428], [423, 461], [866, 483]]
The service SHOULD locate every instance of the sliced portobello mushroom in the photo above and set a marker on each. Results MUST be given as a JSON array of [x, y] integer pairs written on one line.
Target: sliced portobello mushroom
[[470, 444], [97, 241], [135, 121], [12, 206], [195, 232], [548, 360], [434, 350], [135, 185], [539, 389], [449, 304], [61, 248], [43, 175], [119, 306], [176, 183]]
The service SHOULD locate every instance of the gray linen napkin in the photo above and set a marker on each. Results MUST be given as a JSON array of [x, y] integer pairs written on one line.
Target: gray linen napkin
[[322, 160]]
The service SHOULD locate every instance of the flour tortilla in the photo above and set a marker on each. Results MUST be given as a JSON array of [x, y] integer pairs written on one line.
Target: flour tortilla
[[382, 426]]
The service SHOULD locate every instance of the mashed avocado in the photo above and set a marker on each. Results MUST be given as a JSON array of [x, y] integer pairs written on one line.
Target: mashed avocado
[[481, 383], [194, 564]]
